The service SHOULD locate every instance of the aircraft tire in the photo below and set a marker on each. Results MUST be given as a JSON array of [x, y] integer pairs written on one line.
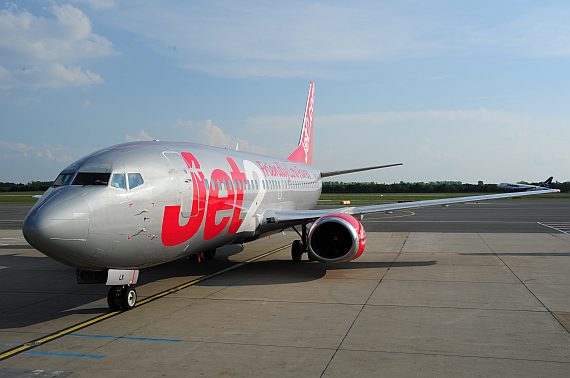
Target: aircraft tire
[[209, 255], [128, 298], [114, 298], [296, 251]]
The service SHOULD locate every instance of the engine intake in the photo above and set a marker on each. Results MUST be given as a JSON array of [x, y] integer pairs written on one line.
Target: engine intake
[[336, 238]]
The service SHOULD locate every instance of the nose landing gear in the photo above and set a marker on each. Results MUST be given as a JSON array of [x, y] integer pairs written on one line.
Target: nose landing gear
[[122, 298]]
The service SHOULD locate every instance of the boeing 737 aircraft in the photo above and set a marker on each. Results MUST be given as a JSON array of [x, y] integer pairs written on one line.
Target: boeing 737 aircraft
[[523, 187], [138, 204]]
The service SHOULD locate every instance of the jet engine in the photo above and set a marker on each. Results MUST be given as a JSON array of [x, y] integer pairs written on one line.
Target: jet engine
[[336, 238]]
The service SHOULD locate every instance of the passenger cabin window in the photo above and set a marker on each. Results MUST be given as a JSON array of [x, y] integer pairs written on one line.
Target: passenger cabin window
[[119, 181], [87, 178], [135, 179], [63, 179]]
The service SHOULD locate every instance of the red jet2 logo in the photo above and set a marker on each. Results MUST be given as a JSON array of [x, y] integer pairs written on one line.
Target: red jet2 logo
[[173, 233]]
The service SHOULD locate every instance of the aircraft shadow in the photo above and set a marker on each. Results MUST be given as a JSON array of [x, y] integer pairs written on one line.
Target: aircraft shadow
[[35, 291]]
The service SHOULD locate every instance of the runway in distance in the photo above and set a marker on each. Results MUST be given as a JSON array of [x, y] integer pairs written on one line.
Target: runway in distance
[[523, 187], [138, 204]]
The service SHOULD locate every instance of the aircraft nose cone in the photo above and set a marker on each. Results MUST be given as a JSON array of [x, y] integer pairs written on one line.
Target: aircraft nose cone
[[59, 226]]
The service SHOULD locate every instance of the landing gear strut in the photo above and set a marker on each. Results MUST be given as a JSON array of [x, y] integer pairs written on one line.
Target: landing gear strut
[[300, 246], [122, 298]]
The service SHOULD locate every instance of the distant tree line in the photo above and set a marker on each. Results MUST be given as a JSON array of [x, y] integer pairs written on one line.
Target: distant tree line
[[349, 187], [33, 186], [422, 187]]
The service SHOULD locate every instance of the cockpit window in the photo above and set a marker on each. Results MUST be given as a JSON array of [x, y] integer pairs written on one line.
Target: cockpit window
[[119, 181], [88, 178], [135, 179], [63, 179]]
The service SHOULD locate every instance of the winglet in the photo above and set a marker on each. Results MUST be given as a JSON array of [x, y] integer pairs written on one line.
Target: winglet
[[304, 152]]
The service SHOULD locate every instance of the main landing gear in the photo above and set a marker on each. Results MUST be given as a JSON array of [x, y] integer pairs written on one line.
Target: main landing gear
[[208, 255], [300, 246], [122, 298]]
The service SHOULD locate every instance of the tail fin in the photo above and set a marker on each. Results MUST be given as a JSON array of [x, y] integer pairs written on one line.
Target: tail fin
[[547, 183], [304, 152]]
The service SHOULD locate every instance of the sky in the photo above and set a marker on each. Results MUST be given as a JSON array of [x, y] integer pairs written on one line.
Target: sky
[[456, 91]]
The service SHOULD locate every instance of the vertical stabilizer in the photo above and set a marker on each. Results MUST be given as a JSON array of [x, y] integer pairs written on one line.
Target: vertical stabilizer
[[304, 152], [547, 183]]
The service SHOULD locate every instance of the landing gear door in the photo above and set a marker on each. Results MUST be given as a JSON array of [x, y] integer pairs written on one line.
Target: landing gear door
[[185, 181]]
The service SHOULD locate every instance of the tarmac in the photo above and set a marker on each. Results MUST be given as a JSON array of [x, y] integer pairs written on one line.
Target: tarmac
[[421, 304]]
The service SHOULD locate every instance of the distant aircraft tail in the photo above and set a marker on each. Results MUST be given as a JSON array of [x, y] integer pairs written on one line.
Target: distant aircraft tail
[[547, 183], [304, 152]]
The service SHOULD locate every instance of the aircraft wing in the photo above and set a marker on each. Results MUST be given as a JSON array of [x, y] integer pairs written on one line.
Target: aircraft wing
[[336, 173], [274, 219]]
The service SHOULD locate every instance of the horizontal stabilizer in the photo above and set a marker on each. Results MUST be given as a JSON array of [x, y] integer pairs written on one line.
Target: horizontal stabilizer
[[336, 173]]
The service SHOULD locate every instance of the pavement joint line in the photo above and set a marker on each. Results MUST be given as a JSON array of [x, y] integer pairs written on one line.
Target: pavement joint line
[[279, 301], [260, 345], [456, 281], [363, 306], [198, 280], [456, 355], [45, 339], [460, 308], [526, 287], [74, 355], [124, 338]]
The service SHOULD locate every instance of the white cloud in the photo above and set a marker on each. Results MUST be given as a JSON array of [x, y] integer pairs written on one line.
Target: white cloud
[[209, 134], [465, 145], [299, 38], [27, 151], [45, 48], [141, 136], [21, 162], [28, 40], [47, 76], [185, 124]]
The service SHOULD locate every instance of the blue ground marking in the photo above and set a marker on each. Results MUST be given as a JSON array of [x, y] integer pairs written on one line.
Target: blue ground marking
[[10, 344], [63, 354], [125, 338]]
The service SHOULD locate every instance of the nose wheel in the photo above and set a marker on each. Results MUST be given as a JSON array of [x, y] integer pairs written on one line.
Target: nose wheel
[[122, 298]]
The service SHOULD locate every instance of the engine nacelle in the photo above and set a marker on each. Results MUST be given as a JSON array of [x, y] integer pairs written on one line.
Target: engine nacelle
[[336, 238]]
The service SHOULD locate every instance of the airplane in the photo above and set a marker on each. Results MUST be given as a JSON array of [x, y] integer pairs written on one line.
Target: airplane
[[523, 187], [134, 205]]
